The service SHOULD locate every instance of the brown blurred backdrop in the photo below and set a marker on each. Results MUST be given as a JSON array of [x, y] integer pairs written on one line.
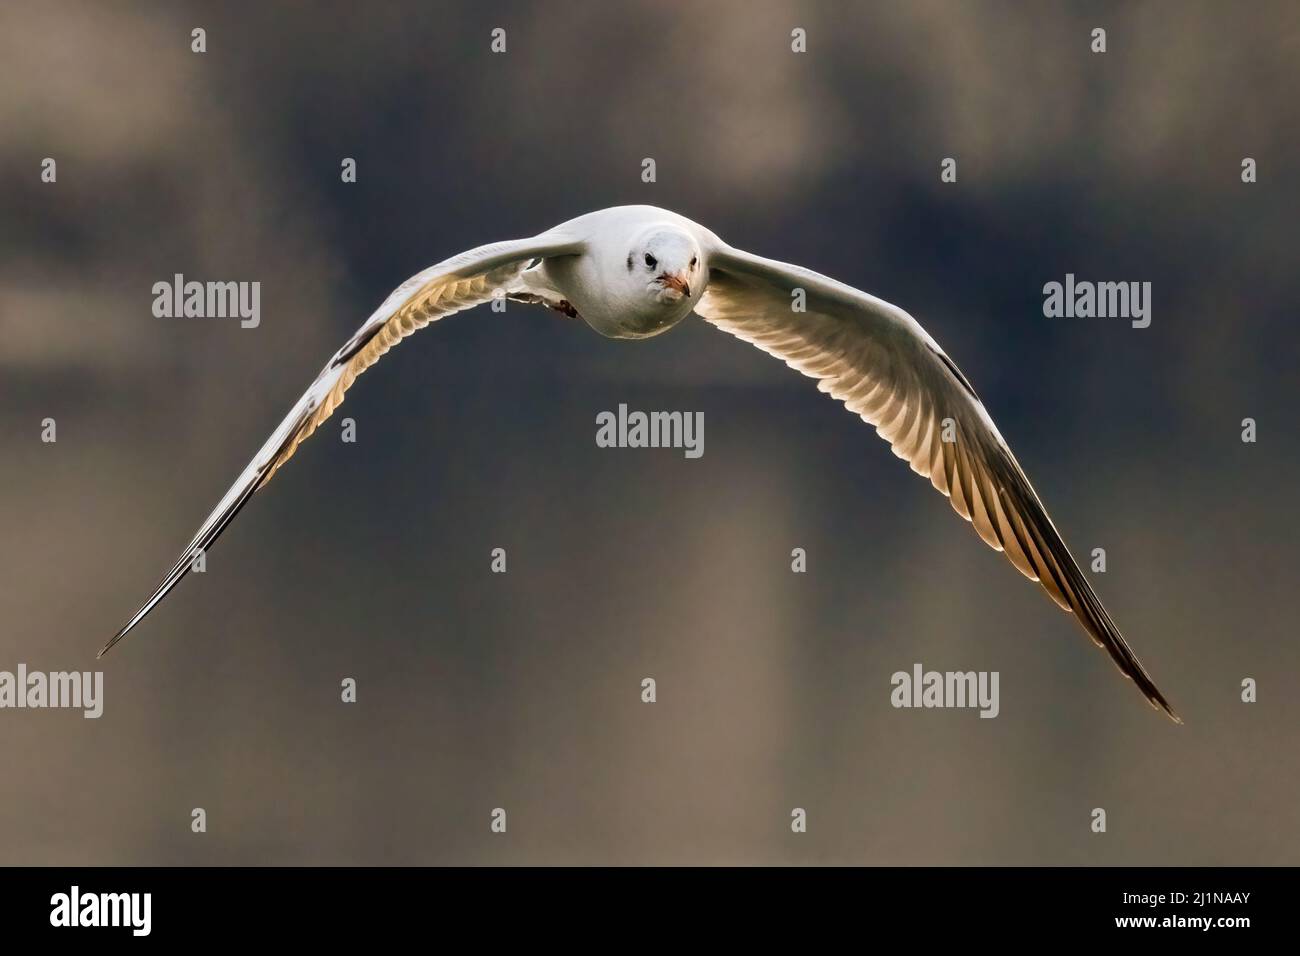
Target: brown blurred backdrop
[[522, 690]]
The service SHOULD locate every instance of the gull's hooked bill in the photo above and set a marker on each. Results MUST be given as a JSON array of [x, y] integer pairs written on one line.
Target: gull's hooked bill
[[675, 282], [612, 268]]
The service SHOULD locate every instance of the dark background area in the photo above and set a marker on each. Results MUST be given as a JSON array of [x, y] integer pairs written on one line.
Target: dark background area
[[522, 691]]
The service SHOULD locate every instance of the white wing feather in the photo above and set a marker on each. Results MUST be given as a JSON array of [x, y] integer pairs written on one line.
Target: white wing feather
[[451, 286], [884, 366]]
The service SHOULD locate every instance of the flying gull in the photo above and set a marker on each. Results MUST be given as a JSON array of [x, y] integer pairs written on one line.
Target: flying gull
[[632, 272]]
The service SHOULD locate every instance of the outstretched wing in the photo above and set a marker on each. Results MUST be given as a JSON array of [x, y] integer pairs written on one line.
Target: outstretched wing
[[881, 364], [457, 284]]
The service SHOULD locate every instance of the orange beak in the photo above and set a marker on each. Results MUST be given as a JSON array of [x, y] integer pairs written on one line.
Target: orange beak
[[675, 282]]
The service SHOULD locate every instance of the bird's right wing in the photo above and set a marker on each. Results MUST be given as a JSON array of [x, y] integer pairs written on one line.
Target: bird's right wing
[[884, 366], [459, 283]]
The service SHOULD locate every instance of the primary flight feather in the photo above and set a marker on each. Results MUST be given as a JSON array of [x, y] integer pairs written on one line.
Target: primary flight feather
[[632, 272]]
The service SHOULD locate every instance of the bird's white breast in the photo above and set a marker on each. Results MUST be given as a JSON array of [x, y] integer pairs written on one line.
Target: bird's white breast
[[611, 298]]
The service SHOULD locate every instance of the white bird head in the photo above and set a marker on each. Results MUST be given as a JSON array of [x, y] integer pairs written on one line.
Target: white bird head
[[668, 263]]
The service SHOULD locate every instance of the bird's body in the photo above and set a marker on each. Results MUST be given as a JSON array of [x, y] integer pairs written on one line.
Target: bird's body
[[632, 272], [606, 289]]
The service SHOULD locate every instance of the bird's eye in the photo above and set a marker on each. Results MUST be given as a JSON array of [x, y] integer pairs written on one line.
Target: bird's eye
[[695, 260], [651, 261]]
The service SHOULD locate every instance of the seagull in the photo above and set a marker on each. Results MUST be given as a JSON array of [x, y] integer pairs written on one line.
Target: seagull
[[633, 272]]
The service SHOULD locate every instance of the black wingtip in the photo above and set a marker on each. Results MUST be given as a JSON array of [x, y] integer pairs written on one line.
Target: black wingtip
[[1163, 704], [109, 646], [139, 615], [1149, 690]]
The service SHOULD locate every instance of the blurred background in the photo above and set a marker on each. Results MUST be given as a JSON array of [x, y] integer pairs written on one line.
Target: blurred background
[[522, 691]]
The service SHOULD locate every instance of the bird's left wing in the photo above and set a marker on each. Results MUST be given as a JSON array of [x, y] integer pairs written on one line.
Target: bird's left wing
[[884, 366], [457, 284]]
